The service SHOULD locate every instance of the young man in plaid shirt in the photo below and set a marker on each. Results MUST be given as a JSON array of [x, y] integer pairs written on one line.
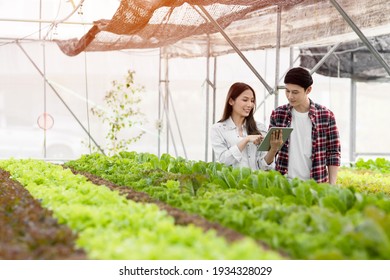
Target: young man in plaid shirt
[[313, 149]]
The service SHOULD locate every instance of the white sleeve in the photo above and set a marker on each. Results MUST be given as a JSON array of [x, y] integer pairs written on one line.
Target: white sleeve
[[262, 164], [223, 152]]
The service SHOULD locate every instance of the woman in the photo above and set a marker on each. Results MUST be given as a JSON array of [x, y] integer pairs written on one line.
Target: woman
[[235, 137]]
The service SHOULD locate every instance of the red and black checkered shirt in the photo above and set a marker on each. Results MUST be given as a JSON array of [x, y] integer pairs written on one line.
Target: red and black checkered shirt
[[325, 137]]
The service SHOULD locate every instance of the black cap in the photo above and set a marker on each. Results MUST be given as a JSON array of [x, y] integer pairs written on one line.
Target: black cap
[[299, 76]]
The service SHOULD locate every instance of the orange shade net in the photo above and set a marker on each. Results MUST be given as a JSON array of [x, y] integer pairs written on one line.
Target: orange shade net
[[180, 27], [153, 24]]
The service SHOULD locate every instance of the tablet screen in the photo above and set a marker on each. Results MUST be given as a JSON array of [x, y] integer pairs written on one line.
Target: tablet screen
[[265, 144]]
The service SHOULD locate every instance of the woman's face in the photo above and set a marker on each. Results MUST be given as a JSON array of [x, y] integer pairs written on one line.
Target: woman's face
[[243, 104]]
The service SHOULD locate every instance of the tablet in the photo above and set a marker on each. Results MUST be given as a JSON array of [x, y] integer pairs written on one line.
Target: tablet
[[265, 145]]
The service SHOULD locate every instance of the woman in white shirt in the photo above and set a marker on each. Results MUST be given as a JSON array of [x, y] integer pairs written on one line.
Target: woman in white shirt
[[235, 137]]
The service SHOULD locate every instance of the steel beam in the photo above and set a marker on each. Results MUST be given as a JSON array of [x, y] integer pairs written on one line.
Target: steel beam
[[237, 50], [322, 61], [361, 36], [59, 97]]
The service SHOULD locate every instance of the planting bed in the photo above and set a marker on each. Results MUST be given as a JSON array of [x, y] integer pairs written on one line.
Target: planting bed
[[181, 217], [28, 231], [109, 226], [138, 206], [305, 219]]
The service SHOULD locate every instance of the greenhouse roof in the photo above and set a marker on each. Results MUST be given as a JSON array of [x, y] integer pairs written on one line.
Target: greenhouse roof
[[183, 28]]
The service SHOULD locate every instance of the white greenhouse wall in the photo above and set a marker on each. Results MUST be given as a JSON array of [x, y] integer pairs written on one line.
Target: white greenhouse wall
[[22, 99]]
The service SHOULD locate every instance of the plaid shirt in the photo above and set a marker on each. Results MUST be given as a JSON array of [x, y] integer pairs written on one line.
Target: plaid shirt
[[325, 137]]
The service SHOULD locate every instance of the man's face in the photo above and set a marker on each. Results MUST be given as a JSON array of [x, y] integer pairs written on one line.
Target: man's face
[[297, 96]]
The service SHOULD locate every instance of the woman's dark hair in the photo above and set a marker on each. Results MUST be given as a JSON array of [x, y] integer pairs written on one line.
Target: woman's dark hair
[[235, 91]]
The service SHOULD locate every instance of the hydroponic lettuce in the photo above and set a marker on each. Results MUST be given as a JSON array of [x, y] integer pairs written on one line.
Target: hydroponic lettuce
[[112, 227], [370, 176], [306, 219], [27, 230], [365, 180], [379, 164]]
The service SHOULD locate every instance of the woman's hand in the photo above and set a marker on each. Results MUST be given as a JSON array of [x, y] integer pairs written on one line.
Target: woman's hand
[[255, 139], [276, 140]]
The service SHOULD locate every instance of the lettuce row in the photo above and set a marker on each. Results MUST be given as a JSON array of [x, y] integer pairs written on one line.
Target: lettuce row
[[306, 219], [112, 227], [380, 165]]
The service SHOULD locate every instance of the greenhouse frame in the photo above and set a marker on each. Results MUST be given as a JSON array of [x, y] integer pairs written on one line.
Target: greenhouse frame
[[211, 29]]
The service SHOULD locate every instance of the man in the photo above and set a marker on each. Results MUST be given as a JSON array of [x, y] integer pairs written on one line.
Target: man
[[313, 149]]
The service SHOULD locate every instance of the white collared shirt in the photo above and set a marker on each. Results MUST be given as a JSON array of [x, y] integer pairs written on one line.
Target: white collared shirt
[[224, 139]]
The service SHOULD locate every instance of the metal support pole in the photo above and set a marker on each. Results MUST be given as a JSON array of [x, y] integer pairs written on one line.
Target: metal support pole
[[206, 149], [352, 136], [277, 54], [63, 102], [210, 18], [214, 96], [291, 57], [165, 99], [40, 18], [170, 133], [324, 58], [87, 98], [265, 94], [361, 36], [178, 127], [166, 103], [44, 21], [159, 124], [214, 88], [208, 85], [44, 82], [44, 98]]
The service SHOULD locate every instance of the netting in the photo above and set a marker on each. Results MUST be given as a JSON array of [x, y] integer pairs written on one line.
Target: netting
[[181, 29], [153, 24], [350, 60]]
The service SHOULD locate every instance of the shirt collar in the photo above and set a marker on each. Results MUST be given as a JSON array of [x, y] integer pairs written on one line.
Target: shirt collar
[[312, 108], [231, 125]]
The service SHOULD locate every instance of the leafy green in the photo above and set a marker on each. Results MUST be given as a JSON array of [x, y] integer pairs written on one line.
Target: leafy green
[[303, 218]]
